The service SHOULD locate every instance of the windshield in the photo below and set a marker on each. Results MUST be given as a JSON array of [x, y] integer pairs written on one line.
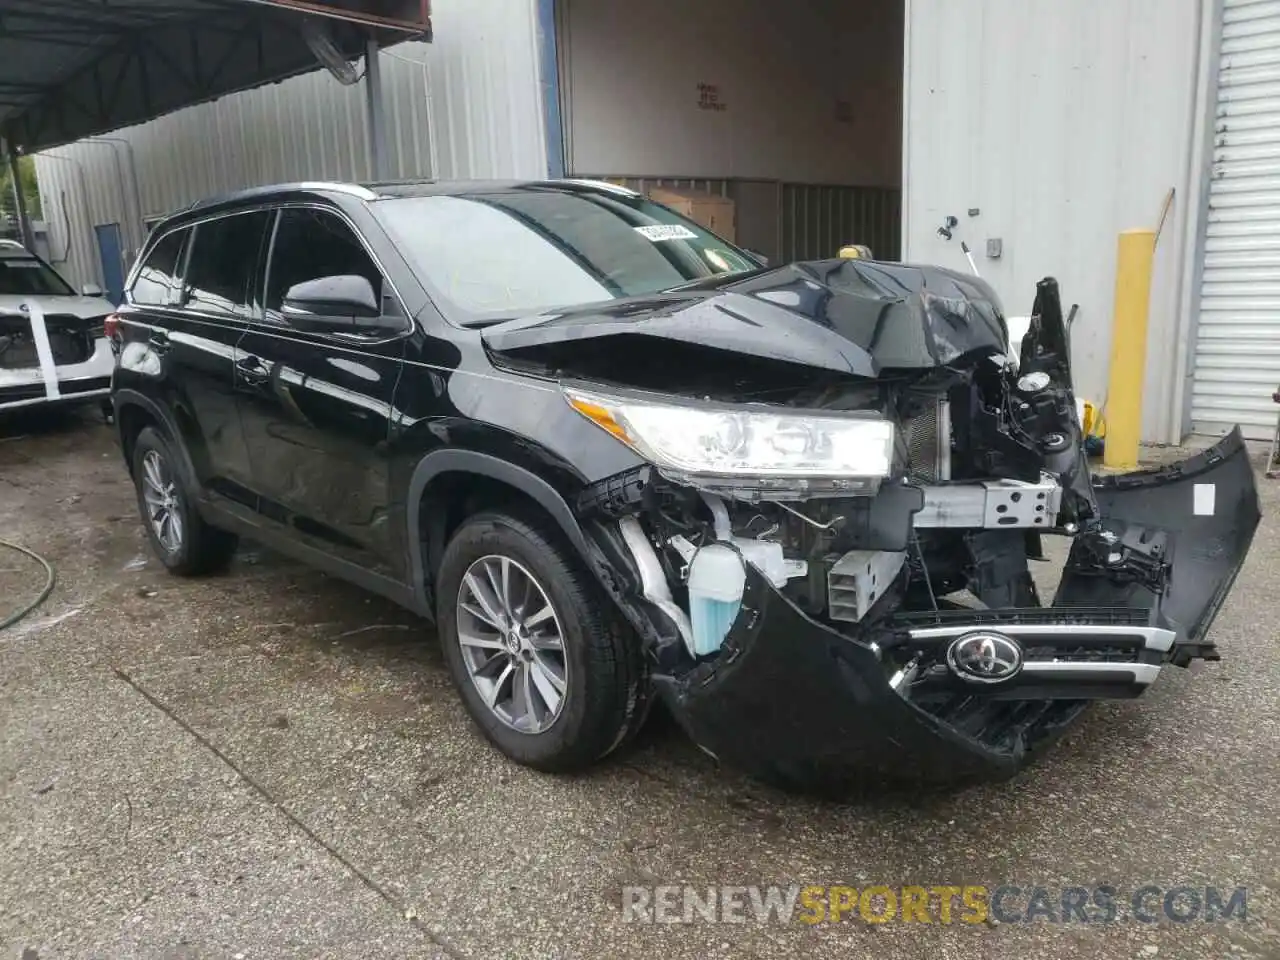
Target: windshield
[[27, 276], [492, 256]]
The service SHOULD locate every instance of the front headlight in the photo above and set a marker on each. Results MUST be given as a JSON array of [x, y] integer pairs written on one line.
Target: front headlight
[[751, 447]]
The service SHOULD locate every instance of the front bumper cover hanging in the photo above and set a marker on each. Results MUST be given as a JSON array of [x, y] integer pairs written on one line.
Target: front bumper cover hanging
[[798, 703]]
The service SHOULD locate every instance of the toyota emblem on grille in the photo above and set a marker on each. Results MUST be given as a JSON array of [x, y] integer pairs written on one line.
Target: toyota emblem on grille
[[984, 657]]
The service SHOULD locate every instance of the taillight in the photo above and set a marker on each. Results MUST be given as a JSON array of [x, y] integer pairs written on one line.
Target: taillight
[[111, 326]]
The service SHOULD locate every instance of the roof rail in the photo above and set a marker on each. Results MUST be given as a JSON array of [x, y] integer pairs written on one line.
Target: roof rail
[[604, 185], [354, 189], [351, 189]]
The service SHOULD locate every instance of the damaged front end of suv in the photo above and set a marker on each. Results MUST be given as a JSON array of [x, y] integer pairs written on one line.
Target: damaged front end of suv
[[845, 475]]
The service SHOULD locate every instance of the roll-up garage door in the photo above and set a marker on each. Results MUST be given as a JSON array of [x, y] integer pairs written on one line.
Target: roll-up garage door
[[1237, 349]]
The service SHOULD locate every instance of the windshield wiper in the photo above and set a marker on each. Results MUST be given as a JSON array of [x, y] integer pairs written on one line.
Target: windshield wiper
[[714, 280]]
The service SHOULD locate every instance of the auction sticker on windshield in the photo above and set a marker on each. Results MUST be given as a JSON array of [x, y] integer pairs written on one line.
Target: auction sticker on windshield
[[666, 231]]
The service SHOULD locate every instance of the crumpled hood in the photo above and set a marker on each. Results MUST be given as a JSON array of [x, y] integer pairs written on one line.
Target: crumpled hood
[[849, 316]]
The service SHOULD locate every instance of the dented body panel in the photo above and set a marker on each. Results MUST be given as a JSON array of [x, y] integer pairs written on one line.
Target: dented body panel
[[800, 703], [1196, 518], [867, 661], [842, 316]]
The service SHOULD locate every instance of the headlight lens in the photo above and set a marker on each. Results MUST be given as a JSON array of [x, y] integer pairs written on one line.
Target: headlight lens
[[722, 441]]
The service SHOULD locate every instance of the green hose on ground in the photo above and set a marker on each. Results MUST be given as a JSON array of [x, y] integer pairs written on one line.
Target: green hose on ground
[[44, 594]]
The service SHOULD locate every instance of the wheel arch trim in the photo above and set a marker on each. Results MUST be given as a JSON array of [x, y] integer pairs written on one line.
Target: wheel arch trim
[[452, 460], [123, 398]]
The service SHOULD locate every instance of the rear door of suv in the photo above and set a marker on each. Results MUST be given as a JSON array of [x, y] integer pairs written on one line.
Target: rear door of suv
[[189, 303], [317, 406]]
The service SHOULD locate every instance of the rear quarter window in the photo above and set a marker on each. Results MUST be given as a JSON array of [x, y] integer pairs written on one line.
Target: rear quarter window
[[158, 276]]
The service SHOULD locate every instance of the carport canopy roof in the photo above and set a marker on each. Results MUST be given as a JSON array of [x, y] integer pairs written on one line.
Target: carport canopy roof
[[76, 68]]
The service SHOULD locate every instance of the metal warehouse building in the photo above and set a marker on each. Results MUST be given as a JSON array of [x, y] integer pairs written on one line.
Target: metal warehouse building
[[1043, 128]]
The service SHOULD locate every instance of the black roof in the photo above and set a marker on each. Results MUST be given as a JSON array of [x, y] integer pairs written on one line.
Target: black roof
[[372, 192]]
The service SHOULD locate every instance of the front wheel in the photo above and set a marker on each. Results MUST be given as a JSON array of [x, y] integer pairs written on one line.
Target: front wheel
[[545, 666], [185, 544]]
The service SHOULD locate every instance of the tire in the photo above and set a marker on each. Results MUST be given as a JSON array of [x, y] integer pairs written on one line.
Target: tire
[[606, 690], [187, 545]]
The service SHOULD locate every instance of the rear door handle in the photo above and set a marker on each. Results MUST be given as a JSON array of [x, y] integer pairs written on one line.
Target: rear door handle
[[251, 370]]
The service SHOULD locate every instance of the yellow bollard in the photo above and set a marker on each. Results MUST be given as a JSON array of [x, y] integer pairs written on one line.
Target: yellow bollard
[[1134, 256], [855, 251]]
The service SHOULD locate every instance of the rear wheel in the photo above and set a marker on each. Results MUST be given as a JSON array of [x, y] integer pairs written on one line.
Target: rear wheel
[[545, 666], [185, 544]]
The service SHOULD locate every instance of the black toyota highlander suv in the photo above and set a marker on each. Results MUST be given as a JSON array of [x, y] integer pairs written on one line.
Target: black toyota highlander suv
[[615, 457]]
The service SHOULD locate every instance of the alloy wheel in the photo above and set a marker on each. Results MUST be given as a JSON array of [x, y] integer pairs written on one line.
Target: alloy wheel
[[164, 507], [512, 644]]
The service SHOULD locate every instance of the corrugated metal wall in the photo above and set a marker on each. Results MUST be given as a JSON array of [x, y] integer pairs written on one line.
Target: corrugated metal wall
[[1061, 124], [466, 105], [798, 221], [1237, 348]]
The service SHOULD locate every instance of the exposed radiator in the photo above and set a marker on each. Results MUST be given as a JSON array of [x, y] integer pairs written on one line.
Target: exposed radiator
[[928, 440]]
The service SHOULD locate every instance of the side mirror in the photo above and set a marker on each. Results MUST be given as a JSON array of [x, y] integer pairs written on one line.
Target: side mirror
[[339, 304], [91, 290]]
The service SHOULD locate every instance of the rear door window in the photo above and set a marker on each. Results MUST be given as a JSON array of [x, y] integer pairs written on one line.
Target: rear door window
[[223, 263], [158, 276]]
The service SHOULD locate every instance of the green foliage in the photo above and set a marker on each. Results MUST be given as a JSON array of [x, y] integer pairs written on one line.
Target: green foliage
[[27, 178]]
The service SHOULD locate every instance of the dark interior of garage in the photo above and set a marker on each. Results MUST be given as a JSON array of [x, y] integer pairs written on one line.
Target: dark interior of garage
[[792, 111]]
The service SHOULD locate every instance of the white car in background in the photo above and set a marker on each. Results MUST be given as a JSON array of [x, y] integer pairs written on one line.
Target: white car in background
[[53, 348]]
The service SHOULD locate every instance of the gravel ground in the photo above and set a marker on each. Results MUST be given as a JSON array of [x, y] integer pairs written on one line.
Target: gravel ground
[[272, 764]]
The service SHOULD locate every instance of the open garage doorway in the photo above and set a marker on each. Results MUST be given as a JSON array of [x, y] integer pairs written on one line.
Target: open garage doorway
[[793, 111]]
